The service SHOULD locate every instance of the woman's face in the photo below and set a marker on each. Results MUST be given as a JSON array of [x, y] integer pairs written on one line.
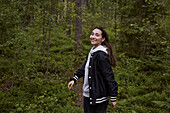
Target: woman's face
[[96, 37]]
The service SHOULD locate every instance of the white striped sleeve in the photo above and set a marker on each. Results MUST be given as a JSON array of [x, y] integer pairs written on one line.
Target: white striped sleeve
[[113, 99], [76, 77]]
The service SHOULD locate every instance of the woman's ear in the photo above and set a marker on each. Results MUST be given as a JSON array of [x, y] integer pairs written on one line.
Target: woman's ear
[[103, 39]]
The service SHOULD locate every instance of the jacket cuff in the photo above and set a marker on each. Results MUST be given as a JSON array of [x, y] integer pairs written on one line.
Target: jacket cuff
[[113, 99], [75, 78]]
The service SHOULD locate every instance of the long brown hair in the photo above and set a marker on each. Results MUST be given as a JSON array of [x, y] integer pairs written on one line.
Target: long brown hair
[[108, 45]]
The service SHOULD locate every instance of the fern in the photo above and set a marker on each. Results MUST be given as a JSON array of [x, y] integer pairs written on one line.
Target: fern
[[162, 104]]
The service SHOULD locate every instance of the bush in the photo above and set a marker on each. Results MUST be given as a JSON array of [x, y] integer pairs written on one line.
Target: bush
[[38, 95], [140, 91]]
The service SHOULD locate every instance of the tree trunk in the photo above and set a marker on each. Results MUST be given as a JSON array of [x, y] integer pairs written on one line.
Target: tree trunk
[[44, 33], [49, 35], [53, 12], [78, 26], [115, 16], [16, 65], [68, 18], [17, 56], [143, 48], [61, 16], [120, 26]]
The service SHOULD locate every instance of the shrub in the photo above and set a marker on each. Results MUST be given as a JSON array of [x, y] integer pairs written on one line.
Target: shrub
[[38, 95]]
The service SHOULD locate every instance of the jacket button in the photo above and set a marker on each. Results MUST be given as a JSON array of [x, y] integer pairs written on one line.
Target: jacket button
[[90, 87], [90, 98], [90, 56], [89, 76], [90, 102], [89, 66]]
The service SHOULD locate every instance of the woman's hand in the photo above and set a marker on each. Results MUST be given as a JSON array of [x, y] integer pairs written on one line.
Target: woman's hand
[[114, 104], [70, 84]]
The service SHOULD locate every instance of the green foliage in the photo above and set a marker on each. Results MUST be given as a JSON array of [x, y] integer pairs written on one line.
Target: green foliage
[[163, 104], [34, 31], [38, 95], [140, 90]]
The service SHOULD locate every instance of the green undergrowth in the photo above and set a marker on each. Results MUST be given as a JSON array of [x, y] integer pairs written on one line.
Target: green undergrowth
[[141, 91], [143, 88], [38, 95]]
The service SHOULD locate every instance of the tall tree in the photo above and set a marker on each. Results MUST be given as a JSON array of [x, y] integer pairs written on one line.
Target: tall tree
[[44, 32], [69, 7], [78, 26], [115, 16]]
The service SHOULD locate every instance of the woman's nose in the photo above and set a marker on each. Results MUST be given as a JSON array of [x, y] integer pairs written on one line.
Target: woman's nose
[[92, 36]]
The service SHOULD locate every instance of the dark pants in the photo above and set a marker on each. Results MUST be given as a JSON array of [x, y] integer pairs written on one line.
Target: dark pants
[[98, 108]]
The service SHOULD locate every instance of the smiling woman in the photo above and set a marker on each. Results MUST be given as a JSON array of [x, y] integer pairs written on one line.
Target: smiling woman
[[96, 37], [99, 83]]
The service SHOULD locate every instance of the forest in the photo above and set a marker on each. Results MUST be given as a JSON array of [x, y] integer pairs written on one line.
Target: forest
[[43, 43]]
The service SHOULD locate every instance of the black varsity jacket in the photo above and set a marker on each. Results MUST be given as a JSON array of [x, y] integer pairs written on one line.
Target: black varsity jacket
[[101, 78]]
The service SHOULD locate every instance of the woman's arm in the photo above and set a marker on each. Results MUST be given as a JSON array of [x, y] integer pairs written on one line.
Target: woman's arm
[[79, 73]]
